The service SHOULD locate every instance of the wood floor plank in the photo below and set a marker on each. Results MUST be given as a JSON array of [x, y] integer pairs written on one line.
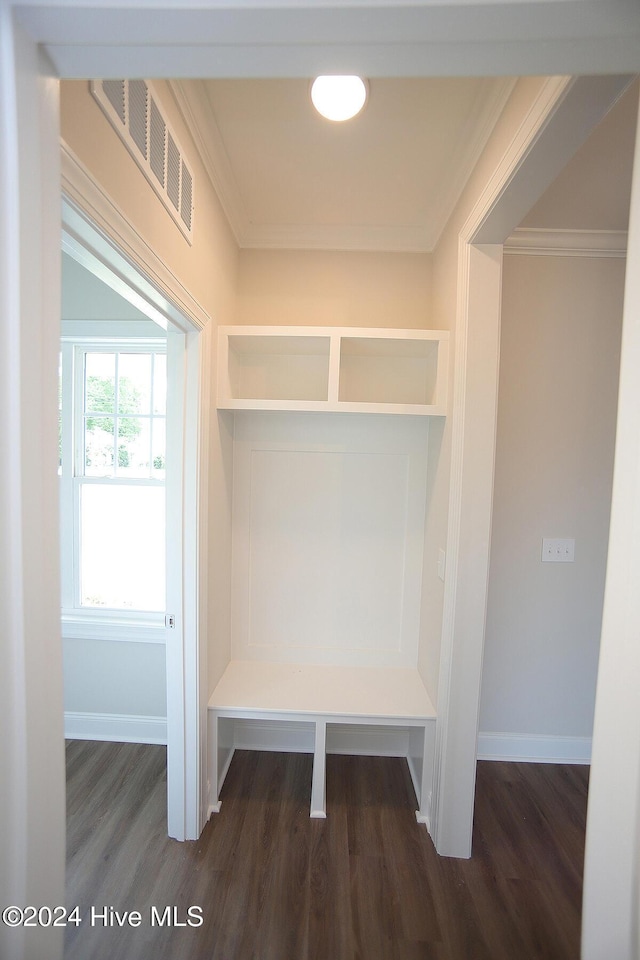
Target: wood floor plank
[[366, 883], [330, 928], [283, 927]]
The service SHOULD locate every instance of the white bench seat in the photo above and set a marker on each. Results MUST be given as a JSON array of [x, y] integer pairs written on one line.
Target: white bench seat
[[321, 695]]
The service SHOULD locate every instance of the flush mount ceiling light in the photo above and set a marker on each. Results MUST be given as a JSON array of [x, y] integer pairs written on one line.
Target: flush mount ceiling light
[[339, 98]]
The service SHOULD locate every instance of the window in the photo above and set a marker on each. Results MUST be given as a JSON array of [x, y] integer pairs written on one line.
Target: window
[[112, 469]]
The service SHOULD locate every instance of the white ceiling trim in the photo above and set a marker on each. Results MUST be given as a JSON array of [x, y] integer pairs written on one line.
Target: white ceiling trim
[[471, 144], [198, 116], [386, 239], [93, 220], [193, 103], [196, 111], [403, 59], [298, 37], [539, 242]]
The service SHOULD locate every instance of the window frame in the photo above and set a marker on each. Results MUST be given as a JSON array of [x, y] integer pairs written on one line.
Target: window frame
[[78, 621]]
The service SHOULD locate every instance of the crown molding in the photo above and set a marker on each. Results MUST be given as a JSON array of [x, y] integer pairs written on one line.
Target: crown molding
[[540, 242], [363, 238], [195, 109], [472, 141]]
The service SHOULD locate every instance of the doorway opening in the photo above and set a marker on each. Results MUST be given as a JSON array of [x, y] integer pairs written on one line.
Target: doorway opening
[[113, 450], [129, 446]]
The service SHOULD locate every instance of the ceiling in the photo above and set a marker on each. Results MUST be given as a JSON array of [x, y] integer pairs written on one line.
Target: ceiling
[[85, 297], [389, 179], [594, 189], [386, 180]]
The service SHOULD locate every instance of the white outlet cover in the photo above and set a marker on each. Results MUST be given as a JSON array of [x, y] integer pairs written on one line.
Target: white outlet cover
[[558, 550]]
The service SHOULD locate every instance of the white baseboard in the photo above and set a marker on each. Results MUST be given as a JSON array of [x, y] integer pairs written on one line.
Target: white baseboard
[[298, 737], [534, 749], [117, 727]]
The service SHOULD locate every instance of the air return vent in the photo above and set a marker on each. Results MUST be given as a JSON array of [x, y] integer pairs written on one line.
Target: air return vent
[[135, 113]]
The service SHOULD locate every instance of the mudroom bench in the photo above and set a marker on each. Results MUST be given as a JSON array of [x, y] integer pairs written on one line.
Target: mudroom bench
[[322, 703]]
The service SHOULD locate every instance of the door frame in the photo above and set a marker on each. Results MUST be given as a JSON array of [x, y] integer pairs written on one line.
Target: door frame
[[564, 113], [98, 235], [29, 121]]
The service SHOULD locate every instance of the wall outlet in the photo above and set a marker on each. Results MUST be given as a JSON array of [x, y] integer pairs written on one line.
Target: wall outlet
[[558, 550]]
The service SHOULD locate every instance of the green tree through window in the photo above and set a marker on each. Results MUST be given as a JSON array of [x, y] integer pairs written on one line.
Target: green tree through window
[[101, 398]]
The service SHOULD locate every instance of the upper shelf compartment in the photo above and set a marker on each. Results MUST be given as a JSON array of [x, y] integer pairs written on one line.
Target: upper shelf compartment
[[333, 369], [281, 371]]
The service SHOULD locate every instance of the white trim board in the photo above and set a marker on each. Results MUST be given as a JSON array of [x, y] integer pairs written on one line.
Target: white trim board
[[112, 630], [121, 246], [116, 727], [537, 748], [540, 242], [297, 737]]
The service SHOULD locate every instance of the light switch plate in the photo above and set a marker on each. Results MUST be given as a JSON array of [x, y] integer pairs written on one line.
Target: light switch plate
[[558, 550]]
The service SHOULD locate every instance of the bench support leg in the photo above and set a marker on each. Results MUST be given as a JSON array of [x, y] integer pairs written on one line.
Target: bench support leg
[[423, 815], [318, 781], [214, 800], [221, 732]]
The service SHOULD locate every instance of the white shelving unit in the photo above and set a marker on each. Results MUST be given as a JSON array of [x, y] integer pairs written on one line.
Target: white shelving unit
[[328, 530], [352, 370]]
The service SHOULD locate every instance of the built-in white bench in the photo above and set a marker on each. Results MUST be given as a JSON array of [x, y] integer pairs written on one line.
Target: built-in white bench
[[320, 696]]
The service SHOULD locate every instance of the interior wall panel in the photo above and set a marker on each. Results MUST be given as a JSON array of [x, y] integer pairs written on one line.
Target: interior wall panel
[[328, 525]]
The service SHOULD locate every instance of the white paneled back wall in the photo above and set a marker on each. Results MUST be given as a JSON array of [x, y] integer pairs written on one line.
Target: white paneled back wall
[[328, 537]]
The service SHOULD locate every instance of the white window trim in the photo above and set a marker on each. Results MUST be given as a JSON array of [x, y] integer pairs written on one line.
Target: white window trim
[[80, 622], [105, 625]]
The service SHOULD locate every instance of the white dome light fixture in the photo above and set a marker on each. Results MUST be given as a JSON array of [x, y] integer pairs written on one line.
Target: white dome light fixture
[[339, 98]]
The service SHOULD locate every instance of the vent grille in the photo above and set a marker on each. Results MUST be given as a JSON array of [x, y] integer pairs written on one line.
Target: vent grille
[[136, 115], [138, 102], [173, 173], [157, 143], [114, 92], [186, 197]]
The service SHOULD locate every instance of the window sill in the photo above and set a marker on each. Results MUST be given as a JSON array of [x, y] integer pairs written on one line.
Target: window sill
[[85, 627]]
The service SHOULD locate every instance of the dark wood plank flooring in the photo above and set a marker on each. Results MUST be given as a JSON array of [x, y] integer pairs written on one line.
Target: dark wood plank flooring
[[365, 884]]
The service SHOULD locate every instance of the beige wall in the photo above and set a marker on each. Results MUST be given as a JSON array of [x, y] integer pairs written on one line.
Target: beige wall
[[115, 676], [306, 288], [317, 288], [561, 325], [443, 310], [592, 192], [208, 270]]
